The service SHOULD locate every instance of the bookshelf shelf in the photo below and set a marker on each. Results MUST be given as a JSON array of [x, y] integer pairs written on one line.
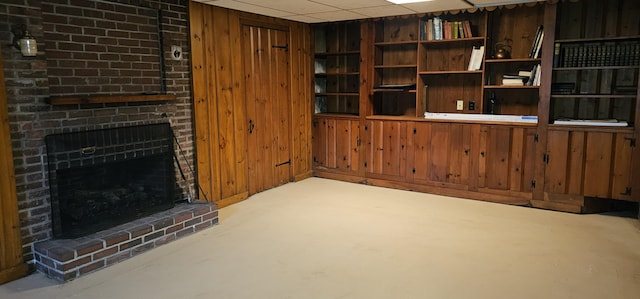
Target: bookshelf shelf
[[454, 40], [513, 60], [435, 73], [593, 96], [510, 87]]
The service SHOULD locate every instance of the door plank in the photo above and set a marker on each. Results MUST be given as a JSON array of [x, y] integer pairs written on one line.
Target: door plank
[[439, 150], [516, 167], [556, 172], [421, 150], [354, 159], [597, 168], [621, 178], [575, 175]]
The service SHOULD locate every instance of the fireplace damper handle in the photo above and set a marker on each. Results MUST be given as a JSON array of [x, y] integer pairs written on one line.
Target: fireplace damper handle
[[89, 150]]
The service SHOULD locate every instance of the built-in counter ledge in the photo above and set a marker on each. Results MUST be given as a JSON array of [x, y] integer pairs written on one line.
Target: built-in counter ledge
[[101, 99], [489, 119]]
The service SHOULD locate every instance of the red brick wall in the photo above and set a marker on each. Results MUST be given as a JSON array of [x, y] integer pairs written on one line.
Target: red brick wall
[[30, 81], [101, 48]]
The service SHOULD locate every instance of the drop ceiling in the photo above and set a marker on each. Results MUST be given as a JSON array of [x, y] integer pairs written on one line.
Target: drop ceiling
[[317, 11]]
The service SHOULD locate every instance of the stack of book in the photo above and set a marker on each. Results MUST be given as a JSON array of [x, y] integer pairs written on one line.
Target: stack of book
[[438, 29], [523, 78]]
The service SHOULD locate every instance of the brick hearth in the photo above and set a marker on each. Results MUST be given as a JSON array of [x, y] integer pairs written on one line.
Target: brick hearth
[[67, 259]]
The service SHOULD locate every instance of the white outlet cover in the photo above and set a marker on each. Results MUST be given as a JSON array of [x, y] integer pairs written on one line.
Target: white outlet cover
[[460, 105], [176, 52]]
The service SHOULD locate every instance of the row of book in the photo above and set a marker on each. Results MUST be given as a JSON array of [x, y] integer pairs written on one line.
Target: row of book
[[438, 29], [523, 78], [597, 54]]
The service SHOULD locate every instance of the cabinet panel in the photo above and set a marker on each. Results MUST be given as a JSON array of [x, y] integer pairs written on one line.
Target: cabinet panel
[[440, 153], [335, 144], [506, 158], [386, 148], [592, 164]]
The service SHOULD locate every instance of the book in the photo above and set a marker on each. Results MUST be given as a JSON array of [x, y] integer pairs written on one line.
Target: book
[[429, 29], [475, 61], [437, 28], [466, 24], [512, 82], [537, 42], [447, 30], [556, 55]]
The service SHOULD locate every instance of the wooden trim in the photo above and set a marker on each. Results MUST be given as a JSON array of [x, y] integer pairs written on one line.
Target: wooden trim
[[232, 199], [74, 100], [12, 265], [302, 176]]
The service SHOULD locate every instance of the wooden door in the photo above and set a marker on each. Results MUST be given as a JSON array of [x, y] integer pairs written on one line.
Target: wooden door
[[440, 154], [11, 262], [386, 149], [268, 100], [506, 160], [592, 164]]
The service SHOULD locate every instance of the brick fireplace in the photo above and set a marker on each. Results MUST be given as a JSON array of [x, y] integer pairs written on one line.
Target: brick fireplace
[[60, 69]]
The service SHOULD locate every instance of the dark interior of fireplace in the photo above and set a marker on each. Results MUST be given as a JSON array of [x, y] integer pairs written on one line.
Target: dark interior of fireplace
[[103, 178]]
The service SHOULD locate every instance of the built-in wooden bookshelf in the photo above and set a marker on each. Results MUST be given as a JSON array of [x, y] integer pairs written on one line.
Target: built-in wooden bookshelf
[[337, 68]]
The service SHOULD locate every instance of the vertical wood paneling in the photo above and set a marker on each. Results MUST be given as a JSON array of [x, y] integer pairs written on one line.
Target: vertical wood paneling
[[332, 143], [421, 143], [11, 263], [556, 169], [282, 105], [343, 148], [597, 170], [497, 156], [516, 166], [301, 88], [439, 151], [225, 104], [621, 178], [354, 160], [575, 160], [219, 62]]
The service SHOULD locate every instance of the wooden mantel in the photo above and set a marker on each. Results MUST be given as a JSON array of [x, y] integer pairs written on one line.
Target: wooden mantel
[[101, 99]]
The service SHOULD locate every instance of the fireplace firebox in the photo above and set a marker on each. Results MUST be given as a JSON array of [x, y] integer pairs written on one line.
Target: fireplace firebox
[[102, 178]]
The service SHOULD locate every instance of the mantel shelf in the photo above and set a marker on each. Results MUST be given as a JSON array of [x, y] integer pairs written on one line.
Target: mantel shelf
[[101, 99]]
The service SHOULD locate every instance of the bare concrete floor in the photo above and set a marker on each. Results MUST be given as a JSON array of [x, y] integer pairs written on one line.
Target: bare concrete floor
[[327, 239]]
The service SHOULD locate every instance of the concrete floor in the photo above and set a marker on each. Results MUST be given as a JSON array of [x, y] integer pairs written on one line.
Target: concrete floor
[[327, 239]]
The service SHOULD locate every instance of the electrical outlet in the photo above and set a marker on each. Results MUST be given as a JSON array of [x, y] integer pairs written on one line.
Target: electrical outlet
[[472, 105], [460, 105]]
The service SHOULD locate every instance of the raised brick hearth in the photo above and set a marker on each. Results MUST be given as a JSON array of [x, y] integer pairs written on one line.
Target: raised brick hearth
[[67, 259]]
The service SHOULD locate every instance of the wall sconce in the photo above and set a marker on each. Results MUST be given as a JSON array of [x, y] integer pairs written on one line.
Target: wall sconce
[[24, 41]]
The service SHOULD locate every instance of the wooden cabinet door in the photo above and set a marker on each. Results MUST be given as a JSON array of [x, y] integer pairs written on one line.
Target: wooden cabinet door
[[592, 164], [506, 160], [268, 105], [336, 145], [386, 149], [441, 154]]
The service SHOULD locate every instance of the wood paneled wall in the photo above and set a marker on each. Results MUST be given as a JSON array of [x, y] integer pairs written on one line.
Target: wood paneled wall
[[11, 262], [220, 104]]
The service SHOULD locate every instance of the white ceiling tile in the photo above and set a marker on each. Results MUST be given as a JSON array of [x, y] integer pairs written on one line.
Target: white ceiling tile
[[383, 11], [352, 4], [295, 7], [304, 19], [249, 8], [339, 15]]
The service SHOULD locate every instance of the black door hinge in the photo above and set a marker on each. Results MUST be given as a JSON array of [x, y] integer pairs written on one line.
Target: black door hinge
[[545, 158], [415, 131], [533, 184], [627, 192], [366, 128], [365, 164], [414, 170], [285, 47], [632, 141], [536, 138], [283, 163]]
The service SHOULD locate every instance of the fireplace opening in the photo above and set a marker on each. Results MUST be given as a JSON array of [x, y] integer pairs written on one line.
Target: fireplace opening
[[102, 178]]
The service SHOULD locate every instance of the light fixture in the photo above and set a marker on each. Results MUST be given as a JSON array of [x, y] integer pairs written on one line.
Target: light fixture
[[407, 1], [24, 41]]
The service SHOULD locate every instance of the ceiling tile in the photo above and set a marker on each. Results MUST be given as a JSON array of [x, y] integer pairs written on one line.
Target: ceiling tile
[[352, 4], [383, 11], [295, 7], [339, 15], [304, 19], [248, 8]]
